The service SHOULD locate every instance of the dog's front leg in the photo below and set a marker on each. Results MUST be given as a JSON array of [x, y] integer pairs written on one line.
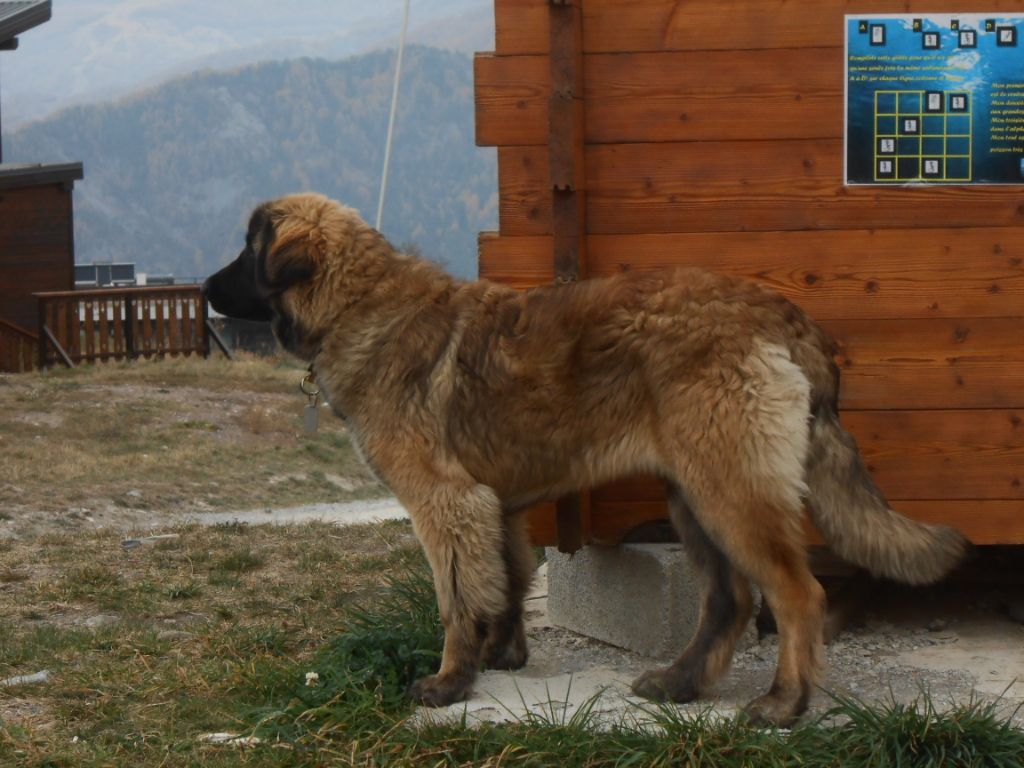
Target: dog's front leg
[[505, 646], [460, 527]]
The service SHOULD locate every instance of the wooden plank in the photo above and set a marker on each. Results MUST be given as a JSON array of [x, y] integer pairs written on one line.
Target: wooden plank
[[661, 25], [146, 326], [117, 345], [540, 521], [190, 311], [656, 97], [45, 318], [524, 194], [10, 358], [766, 185], [565, 144], [850, 274], [735, 186], [88, 308], [174, 308], [715, 95], [511, 99], [916, 455], [66, 331], [929, 364], [521, 26], [982, 521], [104, 327], [833, 274], [131, 311], [163, 312], [521, 262], [725, 24], [942, 454], [201, 317], [73, 343], [160, 342]]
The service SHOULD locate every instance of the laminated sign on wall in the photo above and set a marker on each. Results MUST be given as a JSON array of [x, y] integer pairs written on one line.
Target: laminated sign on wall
[[934, 99]]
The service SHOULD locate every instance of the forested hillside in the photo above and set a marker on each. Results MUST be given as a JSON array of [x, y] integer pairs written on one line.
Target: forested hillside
[[170, 175]]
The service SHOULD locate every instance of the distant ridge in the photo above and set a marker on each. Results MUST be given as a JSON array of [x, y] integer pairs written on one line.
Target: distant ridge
[[171, 174]]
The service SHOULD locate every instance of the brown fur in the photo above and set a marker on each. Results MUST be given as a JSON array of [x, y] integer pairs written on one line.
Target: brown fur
[[472, 401]]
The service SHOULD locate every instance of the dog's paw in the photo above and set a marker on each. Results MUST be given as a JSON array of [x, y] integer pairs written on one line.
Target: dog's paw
[[438, 691], [511, 655], [667, 684], [774, 710]]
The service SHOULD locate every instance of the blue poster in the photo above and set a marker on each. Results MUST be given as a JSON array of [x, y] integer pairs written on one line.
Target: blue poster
[[935, 99]]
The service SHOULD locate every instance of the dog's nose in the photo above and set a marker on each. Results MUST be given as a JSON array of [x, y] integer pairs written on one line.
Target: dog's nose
[[205, 290]]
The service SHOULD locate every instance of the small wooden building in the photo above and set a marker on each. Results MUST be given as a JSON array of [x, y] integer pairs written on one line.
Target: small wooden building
[[37, 251], [36, 229], [634, 134]]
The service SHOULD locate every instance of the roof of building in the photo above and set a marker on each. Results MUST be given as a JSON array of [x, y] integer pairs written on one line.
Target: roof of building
[[17, 17], [37, 174]]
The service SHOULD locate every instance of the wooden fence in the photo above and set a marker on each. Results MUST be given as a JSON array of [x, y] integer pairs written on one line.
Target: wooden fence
[[17, 348], [123, 323]]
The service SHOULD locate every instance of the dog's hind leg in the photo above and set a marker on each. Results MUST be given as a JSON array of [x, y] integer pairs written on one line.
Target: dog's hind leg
[[505, 646], [765, 541], [725, 609], [460, 527]]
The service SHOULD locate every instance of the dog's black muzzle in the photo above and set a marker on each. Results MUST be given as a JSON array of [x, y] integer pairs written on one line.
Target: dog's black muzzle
[[233, 291]]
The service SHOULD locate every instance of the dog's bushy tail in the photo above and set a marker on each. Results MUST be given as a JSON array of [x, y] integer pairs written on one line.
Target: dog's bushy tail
[[854, 516]]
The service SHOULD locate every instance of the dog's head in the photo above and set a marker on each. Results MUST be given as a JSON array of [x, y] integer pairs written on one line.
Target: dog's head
[[291, 244]]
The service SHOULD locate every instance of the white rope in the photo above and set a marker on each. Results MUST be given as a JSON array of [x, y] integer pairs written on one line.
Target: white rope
[[391, 118]]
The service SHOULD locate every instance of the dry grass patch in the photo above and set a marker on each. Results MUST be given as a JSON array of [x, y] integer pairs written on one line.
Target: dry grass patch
[[187, 435]]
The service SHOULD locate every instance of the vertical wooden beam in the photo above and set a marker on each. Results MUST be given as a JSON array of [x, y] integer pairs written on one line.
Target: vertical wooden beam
[[41, 351], [568, 184], [129, 327]]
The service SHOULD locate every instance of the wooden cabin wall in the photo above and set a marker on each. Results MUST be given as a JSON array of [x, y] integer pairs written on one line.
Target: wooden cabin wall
[[36, 248], [714, 138]]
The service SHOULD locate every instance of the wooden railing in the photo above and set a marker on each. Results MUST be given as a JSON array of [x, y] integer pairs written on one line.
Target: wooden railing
[[123, 323], [17, 348]]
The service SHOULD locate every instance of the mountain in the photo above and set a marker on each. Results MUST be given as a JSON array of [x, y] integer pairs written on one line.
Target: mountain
[[93, 50], [172, 174]]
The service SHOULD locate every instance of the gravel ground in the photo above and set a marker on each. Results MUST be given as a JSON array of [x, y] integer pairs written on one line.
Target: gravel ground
[[958, 645]]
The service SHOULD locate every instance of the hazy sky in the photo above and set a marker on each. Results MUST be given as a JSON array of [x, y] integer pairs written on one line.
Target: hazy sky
[[94, 49]]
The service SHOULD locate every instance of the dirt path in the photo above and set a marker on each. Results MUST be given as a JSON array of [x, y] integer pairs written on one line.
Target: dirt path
[[345, 513]]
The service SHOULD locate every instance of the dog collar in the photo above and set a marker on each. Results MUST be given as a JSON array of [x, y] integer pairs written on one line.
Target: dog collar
[[311, 413]]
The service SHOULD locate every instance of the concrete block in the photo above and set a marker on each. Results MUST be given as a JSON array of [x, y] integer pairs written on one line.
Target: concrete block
[[642, 597]]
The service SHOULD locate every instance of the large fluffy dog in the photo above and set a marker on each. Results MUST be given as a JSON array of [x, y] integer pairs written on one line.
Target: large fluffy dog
[[473, 401]]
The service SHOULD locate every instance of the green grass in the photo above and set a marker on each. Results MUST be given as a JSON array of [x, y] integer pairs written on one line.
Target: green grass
[[126, 695], [355, 714]]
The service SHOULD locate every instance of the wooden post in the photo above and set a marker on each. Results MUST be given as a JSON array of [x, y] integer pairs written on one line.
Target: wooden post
[[129, 327], [41, 305], [568, 184], [203, 326]]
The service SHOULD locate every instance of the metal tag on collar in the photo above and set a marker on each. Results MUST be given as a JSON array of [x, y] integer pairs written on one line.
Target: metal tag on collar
[[311, 413]]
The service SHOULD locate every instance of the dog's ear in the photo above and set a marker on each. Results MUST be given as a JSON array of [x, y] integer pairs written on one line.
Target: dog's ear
[[284, 256]]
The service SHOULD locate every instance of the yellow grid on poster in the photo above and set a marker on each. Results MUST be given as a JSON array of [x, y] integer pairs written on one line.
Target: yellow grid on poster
[[898, 99]]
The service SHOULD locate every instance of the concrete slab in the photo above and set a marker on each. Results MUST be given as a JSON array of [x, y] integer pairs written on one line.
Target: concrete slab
[[893, 655], [637, 596], [641, 597]]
